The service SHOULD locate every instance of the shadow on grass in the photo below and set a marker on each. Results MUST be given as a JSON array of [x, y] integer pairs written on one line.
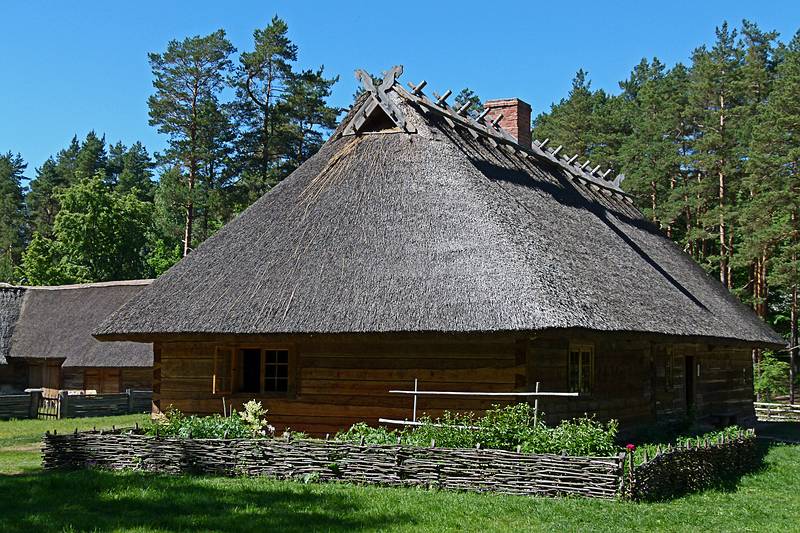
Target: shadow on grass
[[101, 500], [780, 431]]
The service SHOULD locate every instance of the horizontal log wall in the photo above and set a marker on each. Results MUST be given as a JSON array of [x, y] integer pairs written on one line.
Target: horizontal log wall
[[694, 467], [458, 469], [16, 406], [73, 378], [344, 379], [622, 382], [89, 405]]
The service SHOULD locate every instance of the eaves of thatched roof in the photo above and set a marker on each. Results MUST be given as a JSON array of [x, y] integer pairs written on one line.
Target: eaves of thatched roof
[[10, 303], [436, 223], [56, 322]]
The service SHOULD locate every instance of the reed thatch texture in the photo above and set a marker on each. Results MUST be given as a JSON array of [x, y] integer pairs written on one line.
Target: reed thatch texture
[[10, 303], [56, 322], [442, 230]]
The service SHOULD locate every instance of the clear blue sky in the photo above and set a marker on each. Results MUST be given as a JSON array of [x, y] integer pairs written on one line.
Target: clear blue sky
[[70, 67]]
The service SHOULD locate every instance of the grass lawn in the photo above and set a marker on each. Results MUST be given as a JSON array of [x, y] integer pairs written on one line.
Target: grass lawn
[[102, 501], [20, 439]]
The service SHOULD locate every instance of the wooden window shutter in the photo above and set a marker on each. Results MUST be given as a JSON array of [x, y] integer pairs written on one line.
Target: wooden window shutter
[[221, 381]]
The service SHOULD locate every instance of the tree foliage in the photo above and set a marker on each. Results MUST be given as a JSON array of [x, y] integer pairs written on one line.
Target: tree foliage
[[98, 235], [711, 152]]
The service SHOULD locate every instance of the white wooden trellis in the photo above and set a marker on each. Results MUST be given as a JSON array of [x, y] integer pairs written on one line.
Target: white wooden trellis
[[416, 392]]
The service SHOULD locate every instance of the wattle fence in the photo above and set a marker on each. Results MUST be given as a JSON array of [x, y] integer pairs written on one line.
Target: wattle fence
[[477, 470], [674, 471], [670, 473]]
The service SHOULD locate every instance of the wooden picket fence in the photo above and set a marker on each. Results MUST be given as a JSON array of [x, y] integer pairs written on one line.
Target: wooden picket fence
[[777, 412]]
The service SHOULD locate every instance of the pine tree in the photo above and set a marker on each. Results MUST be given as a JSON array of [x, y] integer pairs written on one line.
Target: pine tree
[[775, 159], [715, 97], [467, 95], [13, 224], [131, 168], [283, 113], [188, 77]]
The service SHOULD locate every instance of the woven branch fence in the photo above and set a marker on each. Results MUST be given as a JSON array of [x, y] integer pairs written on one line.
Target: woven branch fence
[[672, 472], [476, 470], [695, 466]]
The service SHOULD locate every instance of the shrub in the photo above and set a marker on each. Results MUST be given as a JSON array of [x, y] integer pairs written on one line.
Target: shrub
[[771, 377], [504, 428], [371, 435], [249, 423]]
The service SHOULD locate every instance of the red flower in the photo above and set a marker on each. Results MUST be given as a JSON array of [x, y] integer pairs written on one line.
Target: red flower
[[630, 447]]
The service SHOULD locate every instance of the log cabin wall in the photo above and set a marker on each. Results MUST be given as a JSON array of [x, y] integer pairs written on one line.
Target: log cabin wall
[[13, 377], [337, 380], [621, 387], [108, 379], [343, 379]]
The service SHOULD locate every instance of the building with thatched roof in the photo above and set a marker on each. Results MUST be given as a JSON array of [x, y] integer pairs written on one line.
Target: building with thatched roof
[[422, 243], [46, 340]]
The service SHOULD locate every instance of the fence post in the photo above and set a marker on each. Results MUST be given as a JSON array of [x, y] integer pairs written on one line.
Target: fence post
[[35, 397], [129, 392], [63, 404]]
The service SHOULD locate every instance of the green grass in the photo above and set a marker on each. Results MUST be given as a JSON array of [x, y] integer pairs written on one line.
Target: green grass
[[20, 439], [106, 501]]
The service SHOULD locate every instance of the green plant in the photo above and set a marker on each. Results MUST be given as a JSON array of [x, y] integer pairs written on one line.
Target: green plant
[[379, 435], [506, 428], [254, 417], [771, 377], [240, 425]]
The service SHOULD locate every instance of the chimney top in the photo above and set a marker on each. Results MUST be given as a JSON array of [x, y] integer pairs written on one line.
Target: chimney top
[[516, 118]]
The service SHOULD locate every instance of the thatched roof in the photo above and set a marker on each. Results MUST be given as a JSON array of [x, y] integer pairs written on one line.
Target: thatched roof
[[10, 303], [56, 322], [436, 223]]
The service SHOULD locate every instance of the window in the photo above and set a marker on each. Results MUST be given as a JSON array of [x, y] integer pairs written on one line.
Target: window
[[581, 368], [669, 382], [276, 371], [252, 370]]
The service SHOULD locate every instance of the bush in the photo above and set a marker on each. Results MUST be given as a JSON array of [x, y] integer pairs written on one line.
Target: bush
[[771, 377], [250, 423], [504, 428]]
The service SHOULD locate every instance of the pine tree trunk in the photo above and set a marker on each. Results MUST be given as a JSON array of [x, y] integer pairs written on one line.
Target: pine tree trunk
[[723, 238], [793, 352], [189, 227]]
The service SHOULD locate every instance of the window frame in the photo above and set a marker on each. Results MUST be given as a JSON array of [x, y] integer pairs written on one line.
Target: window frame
[[581, 348], [237, 367]]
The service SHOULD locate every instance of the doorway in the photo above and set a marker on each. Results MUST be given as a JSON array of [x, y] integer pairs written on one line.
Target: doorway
[[251, 370], [689, 382]]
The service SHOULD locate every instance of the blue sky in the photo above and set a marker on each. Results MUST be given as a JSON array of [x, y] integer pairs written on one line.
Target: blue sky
[[70, 67]]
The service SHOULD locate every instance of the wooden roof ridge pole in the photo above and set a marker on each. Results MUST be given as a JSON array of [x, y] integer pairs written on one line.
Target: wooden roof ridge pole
[[500, 135]]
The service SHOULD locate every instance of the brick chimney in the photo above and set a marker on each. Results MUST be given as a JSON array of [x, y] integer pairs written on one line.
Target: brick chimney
[[516, 117]]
